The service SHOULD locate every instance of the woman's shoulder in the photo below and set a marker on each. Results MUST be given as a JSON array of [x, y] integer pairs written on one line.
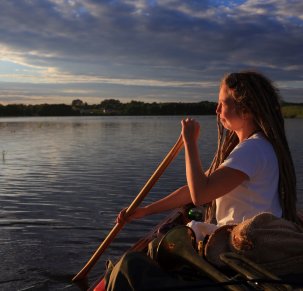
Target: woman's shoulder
[[256, 146], [259, 146], [257, 140]]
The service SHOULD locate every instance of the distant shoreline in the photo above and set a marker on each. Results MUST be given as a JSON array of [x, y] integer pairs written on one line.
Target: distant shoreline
[[112, 107], [292, 110]]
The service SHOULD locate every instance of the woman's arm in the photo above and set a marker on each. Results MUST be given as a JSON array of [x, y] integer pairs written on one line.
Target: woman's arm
[[176, 199], [204, 189], [200, 188]]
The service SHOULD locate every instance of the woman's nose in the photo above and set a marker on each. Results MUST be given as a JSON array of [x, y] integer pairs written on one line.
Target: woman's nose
[[218, 109]]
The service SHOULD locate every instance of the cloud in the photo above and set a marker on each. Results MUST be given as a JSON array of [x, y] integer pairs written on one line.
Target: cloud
[[168, 44]]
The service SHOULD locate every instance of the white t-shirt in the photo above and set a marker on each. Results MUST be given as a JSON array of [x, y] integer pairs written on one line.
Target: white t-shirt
[[257, 159]]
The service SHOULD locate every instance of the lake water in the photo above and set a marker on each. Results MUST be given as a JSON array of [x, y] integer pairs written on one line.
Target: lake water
[[63, 181]]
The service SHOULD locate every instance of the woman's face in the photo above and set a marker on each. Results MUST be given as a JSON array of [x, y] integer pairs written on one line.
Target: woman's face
[[226, 111]]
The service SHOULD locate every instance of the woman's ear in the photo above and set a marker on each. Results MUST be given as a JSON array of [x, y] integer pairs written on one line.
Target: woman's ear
[[246, 114]]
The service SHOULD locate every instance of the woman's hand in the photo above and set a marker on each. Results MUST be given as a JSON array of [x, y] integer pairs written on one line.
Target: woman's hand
[[190, 130], [138, 213]]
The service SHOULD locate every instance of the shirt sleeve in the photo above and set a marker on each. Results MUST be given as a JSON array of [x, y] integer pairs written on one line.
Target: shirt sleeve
[[246, 158]]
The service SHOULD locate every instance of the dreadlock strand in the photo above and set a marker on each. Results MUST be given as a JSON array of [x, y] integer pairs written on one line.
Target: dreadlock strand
[[267, 111], [259, 95]]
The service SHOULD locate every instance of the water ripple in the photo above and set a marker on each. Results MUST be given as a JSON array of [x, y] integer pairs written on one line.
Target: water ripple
[[63, 181]]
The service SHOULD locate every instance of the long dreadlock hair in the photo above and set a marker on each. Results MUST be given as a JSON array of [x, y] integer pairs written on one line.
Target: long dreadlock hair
[[254, 92]]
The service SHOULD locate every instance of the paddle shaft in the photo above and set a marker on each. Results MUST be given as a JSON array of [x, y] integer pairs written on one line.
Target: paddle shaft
[[139, 198]]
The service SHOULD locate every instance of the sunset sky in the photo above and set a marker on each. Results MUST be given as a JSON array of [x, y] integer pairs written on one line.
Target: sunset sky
[[54, 51]]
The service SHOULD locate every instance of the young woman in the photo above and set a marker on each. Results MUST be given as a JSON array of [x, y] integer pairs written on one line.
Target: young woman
[[252, 171]]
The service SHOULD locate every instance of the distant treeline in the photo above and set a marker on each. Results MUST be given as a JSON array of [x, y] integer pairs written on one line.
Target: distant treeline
[[109, 107], [292, 110], [115, 107]]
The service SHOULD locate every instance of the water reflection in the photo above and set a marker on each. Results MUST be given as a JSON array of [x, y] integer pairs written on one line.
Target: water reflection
[[64, 179]]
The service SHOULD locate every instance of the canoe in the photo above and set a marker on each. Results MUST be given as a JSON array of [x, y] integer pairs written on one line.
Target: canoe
[[245, 274], [177, 217]]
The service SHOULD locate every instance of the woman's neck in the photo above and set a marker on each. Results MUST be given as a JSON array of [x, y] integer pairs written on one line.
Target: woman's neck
[[247, 133]]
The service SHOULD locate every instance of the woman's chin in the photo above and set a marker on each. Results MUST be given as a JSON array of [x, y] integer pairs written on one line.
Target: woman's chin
[[225, 125]]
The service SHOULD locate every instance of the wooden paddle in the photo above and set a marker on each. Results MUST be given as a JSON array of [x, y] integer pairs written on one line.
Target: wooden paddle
[[144, 191]]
